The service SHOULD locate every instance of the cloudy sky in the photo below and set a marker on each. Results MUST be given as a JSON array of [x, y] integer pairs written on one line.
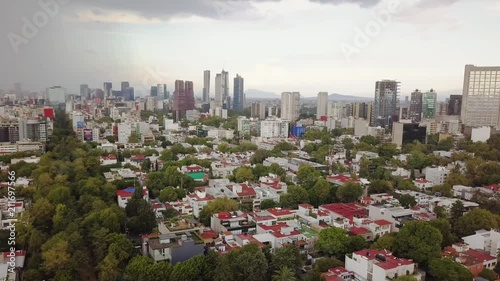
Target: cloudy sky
[[339, 46]]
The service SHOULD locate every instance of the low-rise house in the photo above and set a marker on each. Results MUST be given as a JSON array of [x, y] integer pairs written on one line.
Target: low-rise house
[[423, 184], [173, 247], [108, 160], [397, 216], [486, 240], [378, 265], [10, 262], [474, 260], [125, 195], [235, 222], [340, 274], [436, 175], [273, 181]]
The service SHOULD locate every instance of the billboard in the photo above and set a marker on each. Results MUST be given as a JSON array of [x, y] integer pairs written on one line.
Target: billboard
[[298, 131], [88, 135]]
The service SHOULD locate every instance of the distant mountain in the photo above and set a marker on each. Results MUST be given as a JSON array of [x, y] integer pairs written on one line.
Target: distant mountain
[[258, 94], [339, 97]]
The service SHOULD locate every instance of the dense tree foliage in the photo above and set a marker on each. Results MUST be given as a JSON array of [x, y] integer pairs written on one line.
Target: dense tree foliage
[[419, 241]]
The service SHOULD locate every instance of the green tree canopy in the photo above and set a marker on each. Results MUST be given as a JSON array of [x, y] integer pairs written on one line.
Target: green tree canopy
[[445, 269], [419, 241]]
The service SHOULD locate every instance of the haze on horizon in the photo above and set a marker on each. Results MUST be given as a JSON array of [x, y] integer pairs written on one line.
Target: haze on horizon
[[277, 46]]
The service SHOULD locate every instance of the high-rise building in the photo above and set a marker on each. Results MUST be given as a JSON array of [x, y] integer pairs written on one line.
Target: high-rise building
[[34, 129], [238, 94], [56, 95], [416, 106], [429, 104], [154, 91], [183, 98], [454, 105], [125, 85], [322, 107], [405, 133], [386, 102], [162, 91], [290, 106], [222, 89], [107, 89], [128, 94], [206, 86], [481, 96], [84, 91], [258, 110]]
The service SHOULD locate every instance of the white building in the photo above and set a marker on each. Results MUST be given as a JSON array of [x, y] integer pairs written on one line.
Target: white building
[[77, 119], [361, 127], [274, 128], [56, 95], [488, 241], [322, 106], [482, 134], [170, 125], [193, 115], [124, 132], [290, 106], [378, 265], [481, 96], [436, 175]]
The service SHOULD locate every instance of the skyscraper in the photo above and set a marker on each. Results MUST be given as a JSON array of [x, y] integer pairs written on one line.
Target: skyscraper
[[290, 106], [162, 90], [416, 106], [454, 105], [125, 85], [128, 94], [154, 91], [107, 89], [386, 101], [56, 95], [481, 96], [183, 98], [84, 91], [206, 86], [238, 94], [322, 108], [222, 89], [429, 104]]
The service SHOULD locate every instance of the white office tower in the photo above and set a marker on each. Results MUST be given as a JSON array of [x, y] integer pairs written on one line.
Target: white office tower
[[69, 106], [322, 108], [124, 132], [56, 95], [78, 120], [221, 89], [481, 96], [274, 128], [206, 87], [290, 106], [335, 110]]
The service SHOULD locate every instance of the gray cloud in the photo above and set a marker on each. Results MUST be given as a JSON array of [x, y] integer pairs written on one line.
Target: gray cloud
[[361, 3]]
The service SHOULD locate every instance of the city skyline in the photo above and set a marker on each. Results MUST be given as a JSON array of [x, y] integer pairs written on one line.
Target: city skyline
[[137, 48]]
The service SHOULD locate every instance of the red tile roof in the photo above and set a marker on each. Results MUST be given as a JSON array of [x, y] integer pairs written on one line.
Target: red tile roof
[[280, 212], [382, 222], [358, 230], [390, 262], [348, 210]]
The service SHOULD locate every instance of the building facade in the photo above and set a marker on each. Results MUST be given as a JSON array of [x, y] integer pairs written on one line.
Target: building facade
[[429, 104], [239, 92], [322, 107], [481, 96], [386, 102], [183, 98], [416, 106], [206, 86], [290, 106]]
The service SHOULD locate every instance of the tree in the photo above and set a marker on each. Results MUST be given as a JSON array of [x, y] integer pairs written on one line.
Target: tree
[[284, 146], [406, 185], [168, 194], [146, 165], [243, 174], [445, 269], [332, 241], [295, 195], [134, 138], [456, 212], [407, 201], [284, 274], [380, 186], [406, 278], [217, 206], [324, 264], [307, 176], [137, 268], [385, 242], [250, 264], [475, 220], [259, 156], [320, 193], [419, 241], [260, 171], [55, 254], [267, 204], [287, 257], [444, 226], [349, 192], [488, 274]]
